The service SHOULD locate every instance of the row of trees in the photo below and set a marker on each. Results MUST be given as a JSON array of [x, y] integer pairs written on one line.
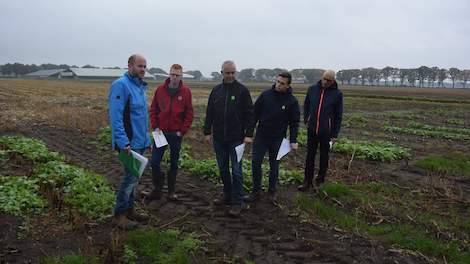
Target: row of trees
[[261, 75], [422, 77], [415, 77]]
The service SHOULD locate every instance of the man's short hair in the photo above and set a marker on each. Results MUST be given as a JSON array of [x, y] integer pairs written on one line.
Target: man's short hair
[[227, 62], [131, 59], [329, 74], [176, 67], [286, 75]]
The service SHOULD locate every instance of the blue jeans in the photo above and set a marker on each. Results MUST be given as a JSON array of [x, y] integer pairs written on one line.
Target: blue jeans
[[233, 184], [260, 146], [125, 194], [174, 142]]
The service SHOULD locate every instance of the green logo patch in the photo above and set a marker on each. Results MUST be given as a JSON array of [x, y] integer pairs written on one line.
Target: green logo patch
[[232, 97], [283, 107]]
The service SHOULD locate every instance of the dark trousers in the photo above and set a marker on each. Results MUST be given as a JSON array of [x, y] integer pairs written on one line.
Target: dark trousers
[[260, 146], [312, 145], [158, 178], [233, 184]]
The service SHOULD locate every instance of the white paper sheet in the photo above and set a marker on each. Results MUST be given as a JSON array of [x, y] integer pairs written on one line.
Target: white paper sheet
[[143, 162], [284, 148], [160, 139], [240, 149], [331, 144]]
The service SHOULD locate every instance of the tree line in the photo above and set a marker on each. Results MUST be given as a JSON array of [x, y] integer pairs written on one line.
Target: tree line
[[389, 76]]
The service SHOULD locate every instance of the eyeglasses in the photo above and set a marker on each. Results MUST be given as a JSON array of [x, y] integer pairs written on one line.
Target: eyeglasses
[[142, 66]]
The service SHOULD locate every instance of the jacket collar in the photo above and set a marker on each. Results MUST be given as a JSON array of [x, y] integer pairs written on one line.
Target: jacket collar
[[136, 80]]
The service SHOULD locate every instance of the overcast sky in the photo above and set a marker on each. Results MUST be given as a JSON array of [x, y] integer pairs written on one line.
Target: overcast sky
[[254, 33]]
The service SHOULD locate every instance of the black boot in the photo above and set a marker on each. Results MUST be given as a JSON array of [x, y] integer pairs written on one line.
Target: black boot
[[158, 179], [171, 186]]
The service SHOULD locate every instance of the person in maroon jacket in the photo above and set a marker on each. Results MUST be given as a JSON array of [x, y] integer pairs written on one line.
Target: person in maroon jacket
[[171, 113]]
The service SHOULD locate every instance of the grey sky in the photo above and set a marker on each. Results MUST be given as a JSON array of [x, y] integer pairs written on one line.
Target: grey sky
[[255, 34]]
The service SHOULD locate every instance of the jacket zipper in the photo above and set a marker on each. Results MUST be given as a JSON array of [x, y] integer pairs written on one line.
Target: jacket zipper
[[171, 107], [225, 111], [318, 111]]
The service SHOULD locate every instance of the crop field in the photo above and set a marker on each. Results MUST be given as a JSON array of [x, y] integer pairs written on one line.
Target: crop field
[[397, 189]]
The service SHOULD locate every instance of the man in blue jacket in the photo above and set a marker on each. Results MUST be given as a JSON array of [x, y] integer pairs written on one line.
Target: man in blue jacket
[[128, 115], [276, 109], [323, 111]]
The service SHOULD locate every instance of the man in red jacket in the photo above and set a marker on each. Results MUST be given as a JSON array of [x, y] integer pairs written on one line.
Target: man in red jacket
[[171, 113]]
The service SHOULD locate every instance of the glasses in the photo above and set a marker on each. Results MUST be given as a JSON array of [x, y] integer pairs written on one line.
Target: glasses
[[142, 66]]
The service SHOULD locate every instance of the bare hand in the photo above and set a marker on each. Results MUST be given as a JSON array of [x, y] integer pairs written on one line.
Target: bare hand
[[333, 140], [127, 150], [208, 139], [248, 140], [294, 146]]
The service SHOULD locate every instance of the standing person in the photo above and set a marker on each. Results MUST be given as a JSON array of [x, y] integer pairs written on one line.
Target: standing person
[[229, 123], [323, 112], [171, 113], [128, 116], [275, 110]]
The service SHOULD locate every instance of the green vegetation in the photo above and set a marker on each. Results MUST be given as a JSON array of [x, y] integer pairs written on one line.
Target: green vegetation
[[159, 246], [348, 207], [455, 121], [30, 149], [72, 259], [371, 150], [85, 193], [419, 129], [355, 120], [452, 165], [19, 195]]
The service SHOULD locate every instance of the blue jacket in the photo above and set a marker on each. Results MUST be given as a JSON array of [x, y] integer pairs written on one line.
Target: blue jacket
[[323, 110], [128, 113]]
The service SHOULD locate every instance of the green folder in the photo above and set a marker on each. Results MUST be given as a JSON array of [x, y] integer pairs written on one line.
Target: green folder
[[131, 163]]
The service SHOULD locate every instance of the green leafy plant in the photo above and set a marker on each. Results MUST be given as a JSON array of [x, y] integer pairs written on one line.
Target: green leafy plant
[[19, 195], [31, 149], [161, 246], [371, 150]]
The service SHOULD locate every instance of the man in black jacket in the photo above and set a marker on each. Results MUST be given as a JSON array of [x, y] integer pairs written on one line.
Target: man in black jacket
[[275, 110], [229, 123], [323, 111]]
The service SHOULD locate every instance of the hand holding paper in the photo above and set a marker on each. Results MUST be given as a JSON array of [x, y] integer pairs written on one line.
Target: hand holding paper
[[283, 149], [239, 150], [159, 138]]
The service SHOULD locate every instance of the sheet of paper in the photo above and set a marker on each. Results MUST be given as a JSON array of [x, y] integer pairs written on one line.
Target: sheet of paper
[[284, 148], [331, 144], [160, 139], [143, 162], [240, 149]]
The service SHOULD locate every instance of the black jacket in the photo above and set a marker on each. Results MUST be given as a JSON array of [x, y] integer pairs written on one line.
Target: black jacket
[[323, 110], [229, 112], [274, 111]]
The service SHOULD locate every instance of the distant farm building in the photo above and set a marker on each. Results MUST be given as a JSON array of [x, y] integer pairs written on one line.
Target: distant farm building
[[82, 74], [42, 74]]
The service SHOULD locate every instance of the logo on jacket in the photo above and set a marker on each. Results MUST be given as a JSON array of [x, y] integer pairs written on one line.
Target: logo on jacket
[[180, 97], [232, 97], [283, 107]]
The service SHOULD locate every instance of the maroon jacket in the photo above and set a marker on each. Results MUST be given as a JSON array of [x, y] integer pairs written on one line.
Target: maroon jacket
[[172, 113]]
